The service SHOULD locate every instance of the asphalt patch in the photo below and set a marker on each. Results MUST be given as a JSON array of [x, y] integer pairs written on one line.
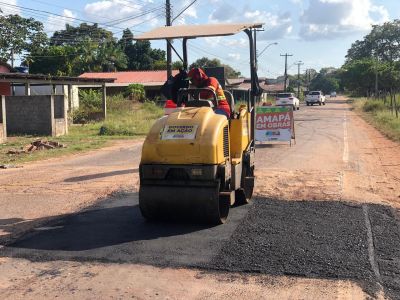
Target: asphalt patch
[[301, 238], [325, 239], [309, 239], [115, 231], [386, 233]]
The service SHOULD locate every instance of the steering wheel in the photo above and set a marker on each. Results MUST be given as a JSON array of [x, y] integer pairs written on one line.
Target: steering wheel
[[183, 94]]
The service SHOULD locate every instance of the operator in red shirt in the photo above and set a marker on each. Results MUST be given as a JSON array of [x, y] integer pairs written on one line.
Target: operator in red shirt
[[199, 79]]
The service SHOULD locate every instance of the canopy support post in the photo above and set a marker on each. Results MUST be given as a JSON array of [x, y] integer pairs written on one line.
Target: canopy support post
[[185, 56]]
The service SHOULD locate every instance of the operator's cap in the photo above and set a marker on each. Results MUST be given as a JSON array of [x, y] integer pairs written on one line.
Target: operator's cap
[[197, 74]]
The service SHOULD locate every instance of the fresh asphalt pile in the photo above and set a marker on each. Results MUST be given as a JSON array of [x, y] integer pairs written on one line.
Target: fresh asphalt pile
[[326, 239], [310, 239], [386, 231]]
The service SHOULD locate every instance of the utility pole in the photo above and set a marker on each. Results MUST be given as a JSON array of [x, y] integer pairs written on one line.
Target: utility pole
[[169, 53], [12, 57], [307, 79], [376, 78], [286, 56], [299, 63]]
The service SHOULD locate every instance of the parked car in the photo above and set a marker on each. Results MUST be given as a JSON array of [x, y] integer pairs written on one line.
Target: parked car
[[333, 94], [287, 99], [315, 97]]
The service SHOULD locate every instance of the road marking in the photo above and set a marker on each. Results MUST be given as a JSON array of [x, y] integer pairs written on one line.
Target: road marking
[[341, 185], [371, 251], [345, 141]]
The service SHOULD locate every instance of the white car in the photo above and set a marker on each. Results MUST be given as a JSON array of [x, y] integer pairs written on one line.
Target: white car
[[315, 97], [287, 99]]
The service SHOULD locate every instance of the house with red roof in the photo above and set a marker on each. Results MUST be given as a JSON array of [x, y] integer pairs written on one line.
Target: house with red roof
[[151, 80], [5, 87]]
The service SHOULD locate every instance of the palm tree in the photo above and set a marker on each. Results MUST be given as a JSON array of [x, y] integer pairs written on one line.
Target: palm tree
[[87, 54], [111, 57]]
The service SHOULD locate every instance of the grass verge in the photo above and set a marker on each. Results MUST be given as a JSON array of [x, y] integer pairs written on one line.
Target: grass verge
[[125, 120], [377, 114]]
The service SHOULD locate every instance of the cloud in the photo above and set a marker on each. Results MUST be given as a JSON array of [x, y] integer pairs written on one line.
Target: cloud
[[123, 13], [239, 42], [328, 19], [55, 23], [277, 25], [235, 56], [10, 10]]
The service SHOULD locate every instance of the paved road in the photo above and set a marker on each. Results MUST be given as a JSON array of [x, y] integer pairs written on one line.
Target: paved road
[[307, 221]]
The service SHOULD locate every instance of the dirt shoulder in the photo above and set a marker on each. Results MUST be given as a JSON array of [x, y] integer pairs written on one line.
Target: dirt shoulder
[[41, 190], [338, 156], [69, 280]]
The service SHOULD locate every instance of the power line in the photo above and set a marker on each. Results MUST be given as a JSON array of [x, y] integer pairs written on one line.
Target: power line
[[54, 14], [183, 10], [122, 20]]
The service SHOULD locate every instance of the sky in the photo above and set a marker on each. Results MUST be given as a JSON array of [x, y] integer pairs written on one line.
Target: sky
[[317, 33]]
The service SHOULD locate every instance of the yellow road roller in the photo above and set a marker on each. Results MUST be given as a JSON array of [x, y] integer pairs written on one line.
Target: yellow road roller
[[195, 163]]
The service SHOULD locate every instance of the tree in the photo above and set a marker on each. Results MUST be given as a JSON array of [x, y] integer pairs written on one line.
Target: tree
[[375, 59], [110, 57], [19, 35], [326, 80], [359, 75], [324, 83], [74, 35], [205, 62], [177, 65], [382, 43], [142, 57], [160, 65], [53, 60], [88, 56], [126, 39]]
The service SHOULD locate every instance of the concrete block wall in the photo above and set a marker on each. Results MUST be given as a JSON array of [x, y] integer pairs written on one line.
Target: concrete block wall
[[3, 122], [36, 115]]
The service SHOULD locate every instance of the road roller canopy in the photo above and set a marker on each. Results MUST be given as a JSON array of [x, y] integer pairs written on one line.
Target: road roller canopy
[[187, 32], [194, 31]]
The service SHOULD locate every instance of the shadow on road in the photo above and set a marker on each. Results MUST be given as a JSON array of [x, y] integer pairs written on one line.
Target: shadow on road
[[272, 145], [7, 222], [103, 227], [100, 175]]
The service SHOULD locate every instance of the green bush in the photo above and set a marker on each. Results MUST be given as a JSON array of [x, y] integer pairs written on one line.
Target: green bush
[[135, 92], [388, 123], [80, 116], [137, 121], [151, 107], [374, 106], [118, 103], [380, 115], [90, 100]]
